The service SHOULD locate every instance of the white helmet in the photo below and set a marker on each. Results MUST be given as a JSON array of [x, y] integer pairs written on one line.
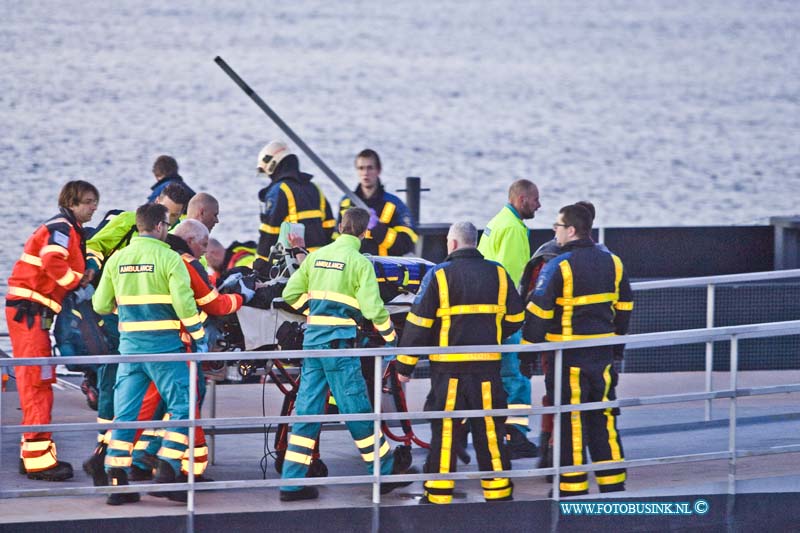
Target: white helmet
[[271, 155]]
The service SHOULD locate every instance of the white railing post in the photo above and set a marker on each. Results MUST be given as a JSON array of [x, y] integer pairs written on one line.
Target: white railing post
[[190, 468], [558, 372], [377, 377], [732, 415], [709, 349], [558, 360], [212, 400]]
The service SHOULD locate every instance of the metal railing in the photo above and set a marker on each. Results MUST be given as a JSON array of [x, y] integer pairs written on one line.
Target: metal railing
[[732, 334], [710, 282]]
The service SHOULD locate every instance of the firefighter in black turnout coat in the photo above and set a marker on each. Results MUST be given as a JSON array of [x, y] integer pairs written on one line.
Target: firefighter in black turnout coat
[[465, 300], [583, 293], [290, 197]]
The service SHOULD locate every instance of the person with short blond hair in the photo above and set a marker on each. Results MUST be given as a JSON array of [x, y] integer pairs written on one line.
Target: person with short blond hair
[[506, 240], [205, 208]]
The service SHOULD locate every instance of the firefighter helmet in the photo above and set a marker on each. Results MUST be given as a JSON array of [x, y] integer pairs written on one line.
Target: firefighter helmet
[[271, 155]]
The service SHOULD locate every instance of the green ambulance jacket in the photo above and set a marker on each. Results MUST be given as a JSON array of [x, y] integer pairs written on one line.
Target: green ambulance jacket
[[114, 235], [150, 287], [339, 286], [505, 240]]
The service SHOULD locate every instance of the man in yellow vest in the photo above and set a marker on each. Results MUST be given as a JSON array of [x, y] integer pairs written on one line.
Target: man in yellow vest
[[505, 240]]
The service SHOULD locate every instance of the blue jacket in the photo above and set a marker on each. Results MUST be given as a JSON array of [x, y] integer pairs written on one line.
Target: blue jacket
[[395, 233]]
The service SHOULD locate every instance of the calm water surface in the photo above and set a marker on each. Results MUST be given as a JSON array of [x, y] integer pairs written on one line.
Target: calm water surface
[[661, 112]]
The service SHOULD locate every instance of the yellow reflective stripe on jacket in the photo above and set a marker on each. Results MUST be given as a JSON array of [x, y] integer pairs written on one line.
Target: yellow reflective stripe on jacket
[[192, 321], [154, 325], [617, 273], [314, 213], [419, 321], [519, 317], [388, 241], [408, 231], [501, 301], [36, 297], [387, 212], [334, 297], [331, 222], [272, 230], [301, 301], [53, 249], [31, 259], [208, 298], [624, 306], [90, 252], [588, 299], [473, 309], [554, 337], [566, 316], [68, 278], [141, 299], [330, 321], [462, 357], [384, 327], [444, 304], [292, 205], [321, 199], [538, 311]]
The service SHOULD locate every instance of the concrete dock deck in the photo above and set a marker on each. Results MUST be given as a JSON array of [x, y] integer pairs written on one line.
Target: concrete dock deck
[[767, 486]]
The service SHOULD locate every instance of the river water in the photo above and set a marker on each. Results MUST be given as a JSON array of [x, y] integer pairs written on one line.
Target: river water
[[669, 112]]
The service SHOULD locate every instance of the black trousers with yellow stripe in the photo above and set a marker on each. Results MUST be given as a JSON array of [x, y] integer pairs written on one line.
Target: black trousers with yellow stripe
[[588, 376], [461, 391]]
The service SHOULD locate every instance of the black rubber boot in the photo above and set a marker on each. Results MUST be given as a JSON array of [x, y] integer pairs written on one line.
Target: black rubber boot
[[518, 445], [306, 493], [60, 472], [402, 465], [147, 471], [166, 474], [119, 478], [141, 474], [94, 466]]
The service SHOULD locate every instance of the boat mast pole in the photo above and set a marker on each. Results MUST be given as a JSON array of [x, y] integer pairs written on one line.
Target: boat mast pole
[[289, 132]]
